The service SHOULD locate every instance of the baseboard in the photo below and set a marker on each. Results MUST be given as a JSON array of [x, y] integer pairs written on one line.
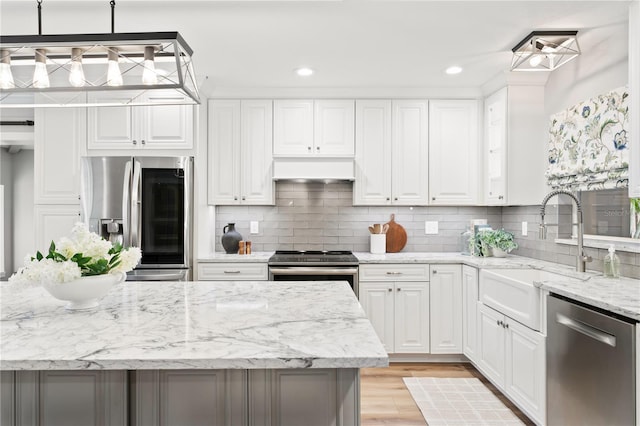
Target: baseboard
[[428, 358]]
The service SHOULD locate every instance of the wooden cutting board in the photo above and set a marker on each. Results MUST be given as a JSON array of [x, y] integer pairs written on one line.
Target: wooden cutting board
[[396, 236]]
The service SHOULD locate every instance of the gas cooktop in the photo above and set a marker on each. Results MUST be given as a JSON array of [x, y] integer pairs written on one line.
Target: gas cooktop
[[313, 257]]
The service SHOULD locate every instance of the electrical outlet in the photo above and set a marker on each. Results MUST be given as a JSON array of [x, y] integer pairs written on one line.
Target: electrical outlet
[[254, 228], [430, 227], [524, 229]]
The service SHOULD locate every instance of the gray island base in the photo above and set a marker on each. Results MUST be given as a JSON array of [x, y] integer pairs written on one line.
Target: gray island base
[[200, 353]]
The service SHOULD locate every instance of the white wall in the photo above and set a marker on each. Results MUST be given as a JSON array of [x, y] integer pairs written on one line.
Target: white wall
[[602, 66], [6, 179]]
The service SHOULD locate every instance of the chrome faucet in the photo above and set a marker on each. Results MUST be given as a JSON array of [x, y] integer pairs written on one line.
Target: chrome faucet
[[581, 258]]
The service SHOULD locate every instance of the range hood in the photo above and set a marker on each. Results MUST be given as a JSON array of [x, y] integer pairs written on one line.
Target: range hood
[[313, 169]]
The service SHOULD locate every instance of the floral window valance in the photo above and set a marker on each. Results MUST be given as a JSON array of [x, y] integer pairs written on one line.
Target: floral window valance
[[589, 144]]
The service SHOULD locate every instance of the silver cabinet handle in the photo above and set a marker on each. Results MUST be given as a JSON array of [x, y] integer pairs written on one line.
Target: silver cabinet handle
[[231, 272], [587, 330], [135, 142], [500, 197], [143, 142], [394, 273]]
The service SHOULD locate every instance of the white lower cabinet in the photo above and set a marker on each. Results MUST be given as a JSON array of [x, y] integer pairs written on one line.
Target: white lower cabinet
[[445, 309], [232, 271], [470, 312], [396, 300], [512, 356]]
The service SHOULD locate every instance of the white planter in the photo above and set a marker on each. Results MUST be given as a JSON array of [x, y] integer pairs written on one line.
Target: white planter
[[498, 252], [84, 292]]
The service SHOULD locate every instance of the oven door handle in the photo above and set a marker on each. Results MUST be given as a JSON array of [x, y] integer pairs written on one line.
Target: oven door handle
[[308, 270]]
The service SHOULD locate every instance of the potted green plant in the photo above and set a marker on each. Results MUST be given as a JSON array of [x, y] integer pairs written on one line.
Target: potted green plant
[[497, 242]]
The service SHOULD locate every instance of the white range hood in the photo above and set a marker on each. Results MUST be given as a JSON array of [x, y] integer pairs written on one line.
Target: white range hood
[[313, 169]]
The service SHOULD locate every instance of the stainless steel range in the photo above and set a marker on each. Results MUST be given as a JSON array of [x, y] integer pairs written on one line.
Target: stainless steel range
[[314, 265]]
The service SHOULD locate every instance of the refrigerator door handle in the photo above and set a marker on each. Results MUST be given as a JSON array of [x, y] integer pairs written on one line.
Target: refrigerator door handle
[[126, 195], [136, 205]]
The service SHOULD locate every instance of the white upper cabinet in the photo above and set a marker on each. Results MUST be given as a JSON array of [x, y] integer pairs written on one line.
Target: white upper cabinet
[[453, 152], [515, 143], [410, 153], [373, 153], [60, 141], [634, 98], [240, 152], [308, 127], [495, 131], [391, 152], [152, 127]]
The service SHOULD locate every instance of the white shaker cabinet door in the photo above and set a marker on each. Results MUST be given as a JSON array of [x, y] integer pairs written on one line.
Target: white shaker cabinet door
[[111, 127], [453, 152], [495, 118], [470, 312], [333, 126], [377, 300], [224, 152], [373, 153], [60, 141], [53, 222], [411, 317], [256, 152], [445, 301], [525, 369], [166, 126], [410, 152], [292, 127], [491, 344]]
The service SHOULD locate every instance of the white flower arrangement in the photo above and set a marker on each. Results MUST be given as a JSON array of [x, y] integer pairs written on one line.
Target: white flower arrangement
[[83, 254]]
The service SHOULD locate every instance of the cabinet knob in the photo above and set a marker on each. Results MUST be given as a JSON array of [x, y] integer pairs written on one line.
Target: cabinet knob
[[399, 289], [433, 198], [506, 325], [388, 198], [243, 198], [135, 142], [78, 197], [317, 148], [395, 199], [143, 142], [308, 148], [435, 271], [490, 193], [500, 197], [390, 289], [235, 198]]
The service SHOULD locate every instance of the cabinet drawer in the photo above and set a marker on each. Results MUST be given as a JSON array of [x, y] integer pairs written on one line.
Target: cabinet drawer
[[232, 271], [394, 272]]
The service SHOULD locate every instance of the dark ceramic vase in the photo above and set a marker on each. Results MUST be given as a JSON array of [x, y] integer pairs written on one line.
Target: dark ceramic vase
[[231, 238]]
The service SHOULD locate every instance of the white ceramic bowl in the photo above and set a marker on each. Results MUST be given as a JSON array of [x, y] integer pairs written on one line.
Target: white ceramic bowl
[[84, 292]]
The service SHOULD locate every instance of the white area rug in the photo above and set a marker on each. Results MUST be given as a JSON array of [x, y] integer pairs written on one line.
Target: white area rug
[[458, 401]]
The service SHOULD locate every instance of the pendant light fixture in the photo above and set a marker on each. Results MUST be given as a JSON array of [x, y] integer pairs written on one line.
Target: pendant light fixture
[[95, 69], [545, 50]]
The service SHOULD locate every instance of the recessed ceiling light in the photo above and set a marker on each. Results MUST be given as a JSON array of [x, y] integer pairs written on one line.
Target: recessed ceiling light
[[304, 72], [453, 70]]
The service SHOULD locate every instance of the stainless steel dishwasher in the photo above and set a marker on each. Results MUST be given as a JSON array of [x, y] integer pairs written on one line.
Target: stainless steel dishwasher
[[590, 365]]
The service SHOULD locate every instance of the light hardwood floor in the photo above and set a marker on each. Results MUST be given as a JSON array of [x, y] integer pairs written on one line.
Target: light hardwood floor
[[386, 401]]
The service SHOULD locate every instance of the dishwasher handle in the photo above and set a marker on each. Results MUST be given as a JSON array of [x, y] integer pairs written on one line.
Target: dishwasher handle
[[587, 330]]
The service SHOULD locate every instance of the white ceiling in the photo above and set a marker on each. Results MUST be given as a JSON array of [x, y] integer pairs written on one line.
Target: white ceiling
[[351, 44]]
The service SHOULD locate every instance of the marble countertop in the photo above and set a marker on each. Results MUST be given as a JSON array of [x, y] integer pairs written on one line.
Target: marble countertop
[[200, 325]]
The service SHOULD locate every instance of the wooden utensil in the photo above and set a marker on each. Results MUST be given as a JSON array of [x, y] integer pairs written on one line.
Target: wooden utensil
[[377, 228], [396, 236], [372, 230], [385, 228]]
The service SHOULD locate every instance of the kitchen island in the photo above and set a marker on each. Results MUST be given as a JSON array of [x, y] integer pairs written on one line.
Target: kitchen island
[[187, 353]]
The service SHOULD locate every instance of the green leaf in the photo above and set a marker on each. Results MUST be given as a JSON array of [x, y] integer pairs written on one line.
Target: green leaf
[[39, 256]]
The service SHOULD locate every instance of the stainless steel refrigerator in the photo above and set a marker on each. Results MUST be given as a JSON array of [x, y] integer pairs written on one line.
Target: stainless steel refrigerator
[[144, 202]]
